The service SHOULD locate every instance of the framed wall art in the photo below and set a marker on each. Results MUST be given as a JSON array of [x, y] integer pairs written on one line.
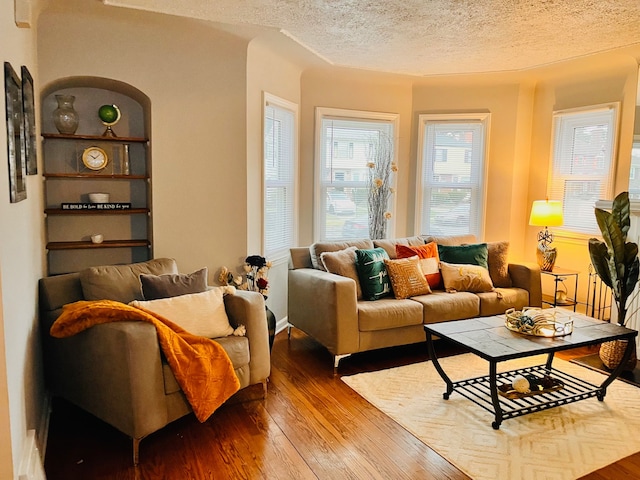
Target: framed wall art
[[29, 112], [15, 135]]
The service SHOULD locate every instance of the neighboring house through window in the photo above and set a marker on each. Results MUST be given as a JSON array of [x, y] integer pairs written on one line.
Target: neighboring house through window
[[346, 140], [279, 167], [451, 173]]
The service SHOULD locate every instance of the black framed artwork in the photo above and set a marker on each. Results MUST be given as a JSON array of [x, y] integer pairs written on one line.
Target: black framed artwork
[[29, 113], [15, 135]]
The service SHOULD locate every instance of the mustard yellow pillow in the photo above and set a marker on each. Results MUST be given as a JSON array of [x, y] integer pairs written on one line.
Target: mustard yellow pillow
[[465, 278], [407, 277]]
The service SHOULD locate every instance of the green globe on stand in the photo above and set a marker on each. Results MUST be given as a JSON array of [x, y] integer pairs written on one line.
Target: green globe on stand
[[109, 115]]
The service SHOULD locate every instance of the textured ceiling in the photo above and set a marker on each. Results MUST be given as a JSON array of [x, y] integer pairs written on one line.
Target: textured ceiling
[[429, 37]]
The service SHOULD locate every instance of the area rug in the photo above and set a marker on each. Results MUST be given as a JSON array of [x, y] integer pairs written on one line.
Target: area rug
[[565, 442]]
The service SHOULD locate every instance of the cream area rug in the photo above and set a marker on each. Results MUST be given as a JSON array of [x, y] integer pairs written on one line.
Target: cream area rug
[[565, 442]]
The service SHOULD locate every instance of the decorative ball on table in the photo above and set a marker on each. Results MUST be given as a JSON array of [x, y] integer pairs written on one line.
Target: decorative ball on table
[[109, 115], [520, 384]]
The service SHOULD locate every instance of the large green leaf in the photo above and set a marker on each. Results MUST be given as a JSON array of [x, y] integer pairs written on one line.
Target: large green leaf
[[621, 211], [611, 234], [600, 260]]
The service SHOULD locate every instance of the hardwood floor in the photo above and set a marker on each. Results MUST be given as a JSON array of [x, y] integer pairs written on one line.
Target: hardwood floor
[[311, 426]]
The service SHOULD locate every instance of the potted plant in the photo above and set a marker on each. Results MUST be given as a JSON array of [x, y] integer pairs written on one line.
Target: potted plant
[[616, 262]]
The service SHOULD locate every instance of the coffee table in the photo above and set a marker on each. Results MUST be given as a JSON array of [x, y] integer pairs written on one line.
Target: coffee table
[[488, 338]]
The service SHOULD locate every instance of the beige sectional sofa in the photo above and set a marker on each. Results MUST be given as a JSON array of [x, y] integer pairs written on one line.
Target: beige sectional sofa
[[325, 305]]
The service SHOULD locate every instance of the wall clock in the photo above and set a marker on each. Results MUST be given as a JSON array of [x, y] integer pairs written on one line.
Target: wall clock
[[95, 158]]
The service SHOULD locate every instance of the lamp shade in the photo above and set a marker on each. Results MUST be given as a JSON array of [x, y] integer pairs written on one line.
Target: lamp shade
[[546, 213]]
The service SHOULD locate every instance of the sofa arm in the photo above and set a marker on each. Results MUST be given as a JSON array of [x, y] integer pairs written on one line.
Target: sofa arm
[[527, 276], [113, 371], [248, 309], [324, 305]]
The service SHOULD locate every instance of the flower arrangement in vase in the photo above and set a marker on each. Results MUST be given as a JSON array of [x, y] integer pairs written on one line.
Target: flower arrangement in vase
[[256, 276]]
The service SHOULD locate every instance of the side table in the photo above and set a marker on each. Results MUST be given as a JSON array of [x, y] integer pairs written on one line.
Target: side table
[[559, 276]]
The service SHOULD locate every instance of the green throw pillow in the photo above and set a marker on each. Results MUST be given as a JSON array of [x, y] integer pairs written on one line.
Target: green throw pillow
[[472, 254], [372, 273]]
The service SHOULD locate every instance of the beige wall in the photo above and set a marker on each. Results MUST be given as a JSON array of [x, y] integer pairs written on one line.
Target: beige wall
[[195, 78], [21, 265]]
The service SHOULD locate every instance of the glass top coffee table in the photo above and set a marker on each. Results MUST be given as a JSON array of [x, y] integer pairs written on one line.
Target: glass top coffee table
[[490, 339]]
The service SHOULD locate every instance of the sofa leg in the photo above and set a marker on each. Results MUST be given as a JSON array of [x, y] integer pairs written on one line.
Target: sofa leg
[[136, 451], [289, 327], [336, 361], [264, 388]]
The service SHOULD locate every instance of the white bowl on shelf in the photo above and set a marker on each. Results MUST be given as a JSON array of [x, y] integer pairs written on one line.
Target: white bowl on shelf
[[99, 198]]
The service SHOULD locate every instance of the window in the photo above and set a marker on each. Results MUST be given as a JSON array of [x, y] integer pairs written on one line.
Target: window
[[582, 163], [450, 196], [346, 141], [279, 157]]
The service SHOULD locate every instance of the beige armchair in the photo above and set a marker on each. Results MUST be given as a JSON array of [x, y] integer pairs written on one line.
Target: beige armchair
[[117, 372]]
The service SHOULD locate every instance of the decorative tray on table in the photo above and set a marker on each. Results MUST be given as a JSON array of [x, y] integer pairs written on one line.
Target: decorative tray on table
[[538, 322], [537, 386]]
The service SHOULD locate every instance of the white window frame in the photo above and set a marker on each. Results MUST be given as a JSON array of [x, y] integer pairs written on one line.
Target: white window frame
[[319, 199], [270, 100], [479, 207], [554, 190]]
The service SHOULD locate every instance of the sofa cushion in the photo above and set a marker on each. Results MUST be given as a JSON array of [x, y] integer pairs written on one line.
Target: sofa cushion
[[474, 254], [441, 306], [121, 282], [343, 263], [498, 301], [465, 278], [317, 248], [372, 273], [498, 261], [173, 284], [390, 244], [429, 260], [407, 277], [388, 313], [201, 314]]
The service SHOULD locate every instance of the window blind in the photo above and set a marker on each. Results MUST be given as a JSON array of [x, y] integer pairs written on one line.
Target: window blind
[[451, 183], [279, 178], [582, 164]]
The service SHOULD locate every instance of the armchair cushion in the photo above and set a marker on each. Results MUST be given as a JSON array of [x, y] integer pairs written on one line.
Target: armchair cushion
[[201, 314], [173, 285]]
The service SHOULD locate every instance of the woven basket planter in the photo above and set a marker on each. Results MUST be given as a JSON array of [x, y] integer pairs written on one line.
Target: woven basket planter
[[611, 354]]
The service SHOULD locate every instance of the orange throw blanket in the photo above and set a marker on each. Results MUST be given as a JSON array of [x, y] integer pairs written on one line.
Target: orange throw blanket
[[201, 366]]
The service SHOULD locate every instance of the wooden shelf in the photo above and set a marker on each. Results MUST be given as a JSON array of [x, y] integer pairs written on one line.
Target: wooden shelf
[[105, 244], [97, 176], [128, 211], [96, 138]]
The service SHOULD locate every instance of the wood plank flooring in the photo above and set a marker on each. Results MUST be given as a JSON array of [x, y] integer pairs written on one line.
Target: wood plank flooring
[[311, 426]]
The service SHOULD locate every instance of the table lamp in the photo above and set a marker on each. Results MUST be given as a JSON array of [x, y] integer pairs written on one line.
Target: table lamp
[[546, 213]]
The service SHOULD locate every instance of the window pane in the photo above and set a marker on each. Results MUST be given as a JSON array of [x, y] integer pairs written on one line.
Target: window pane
[[582, 164], [452, 166], [279, 187], [634, 173], [347, 146]]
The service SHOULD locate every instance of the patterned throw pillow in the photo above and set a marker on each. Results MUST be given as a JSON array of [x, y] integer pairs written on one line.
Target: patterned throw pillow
[[465, 278], [407, 277], [372, 273], [429, 261], [472, 254]]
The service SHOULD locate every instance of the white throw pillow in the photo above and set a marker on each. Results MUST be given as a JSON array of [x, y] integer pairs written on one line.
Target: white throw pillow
[[201, 314]]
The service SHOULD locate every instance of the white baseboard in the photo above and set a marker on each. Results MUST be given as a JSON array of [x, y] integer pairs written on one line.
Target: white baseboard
[[282, 324], [31, 465]]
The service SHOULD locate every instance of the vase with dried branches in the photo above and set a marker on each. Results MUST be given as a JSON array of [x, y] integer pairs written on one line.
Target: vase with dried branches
[[381, 170]]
